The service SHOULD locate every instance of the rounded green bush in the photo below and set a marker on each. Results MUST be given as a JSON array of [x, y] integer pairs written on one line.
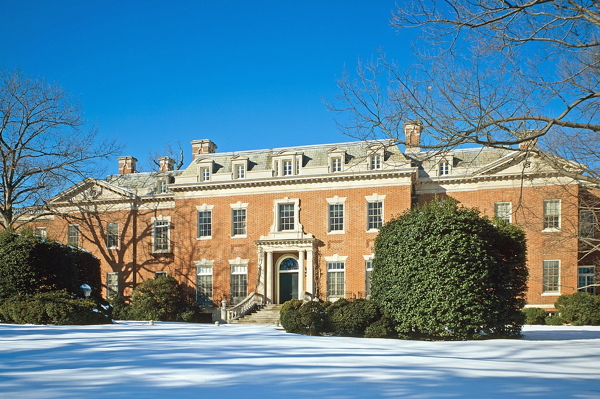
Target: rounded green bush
[[313, 318], [535, 316], [444, 271], [290, 317], [581, 309], [382, 328], [553, 320], [354, 317]]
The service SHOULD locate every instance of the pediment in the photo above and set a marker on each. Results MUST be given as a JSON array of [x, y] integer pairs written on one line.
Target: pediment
[[91, 190], [502, 164]]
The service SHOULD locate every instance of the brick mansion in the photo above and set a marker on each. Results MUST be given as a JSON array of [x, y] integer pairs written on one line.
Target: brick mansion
[[300, 222]]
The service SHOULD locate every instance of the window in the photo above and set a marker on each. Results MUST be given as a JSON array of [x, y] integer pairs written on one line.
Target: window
[[204, 224], [73, 235], [444, 168], [551, 275], [336, 217], [503, 211], [288, 167], [205, 174], [286, 217], [239, 283], [162, 186], [374, 215], [240, 171], [112, 235], [552, 214], [336, 164], [160, 236], [112, 284], [587, 223], [368, 270], [238, 222], [586, 277], [41, 232], [160, 274], [375, 162], [336, 281], [204, 283]]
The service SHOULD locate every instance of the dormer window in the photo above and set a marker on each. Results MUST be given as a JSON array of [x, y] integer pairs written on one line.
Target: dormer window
[[239, 167], [162, 187], [444, 168], [375, 162], [337, 159], [205, 169], [336, 164], [204, 174], [287, 163]]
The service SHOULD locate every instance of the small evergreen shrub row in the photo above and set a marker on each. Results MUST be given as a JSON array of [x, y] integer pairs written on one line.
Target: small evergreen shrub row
[[535, 316], [162, 299], [56, 307], [356, 318], [579, 309]]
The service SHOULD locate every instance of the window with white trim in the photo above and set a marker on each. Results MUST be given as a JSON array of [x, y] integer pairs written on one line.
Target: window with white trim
[[205, 224], [586, 278], [336, 279], [239, 283], [41, 232], [162, 186], [336, 218], [286, 217], [240, 171], [204, 283], [112, 284], [238, 222], [205, 174], [112, 235], [587, 223], [73, 235], [375, 161], [336, 164], [368, 271], [551, 277], [374, 215], [552, 215], [161, 242], [160, 274], [444, 168], [503, 211]]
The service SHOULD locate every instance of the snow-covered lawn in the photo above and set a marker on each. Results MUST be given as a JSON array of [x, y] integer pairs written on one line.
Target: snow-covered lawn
[[177, 360]]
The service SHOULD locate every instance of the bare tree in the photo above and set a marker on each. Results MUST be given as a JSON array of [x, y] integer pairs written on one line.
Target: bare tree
[[172, 150], [43, 146], [493, 72]]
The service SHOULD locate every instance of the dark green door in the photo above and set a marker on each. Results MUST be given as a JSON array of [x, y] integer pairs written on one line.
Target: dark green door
[[288, 286]]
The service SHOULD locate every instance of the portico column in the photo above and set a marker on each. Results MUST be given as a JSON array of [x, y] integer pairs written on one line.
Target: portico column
[[310, 273], [269, 278], [301, 275]]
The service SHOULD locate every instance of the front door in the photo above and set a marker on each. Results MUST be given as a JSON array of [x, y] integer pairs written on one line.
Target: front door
[[288, 286], [288, 280]]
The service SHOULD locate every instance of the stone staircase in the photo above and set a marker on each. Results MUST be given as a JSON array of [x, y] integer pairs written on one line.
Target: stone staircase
[[269, 314]]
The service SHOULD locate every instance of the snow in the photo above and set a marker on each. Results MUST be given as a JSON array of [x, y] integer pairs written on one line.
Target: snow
[[179, 360]]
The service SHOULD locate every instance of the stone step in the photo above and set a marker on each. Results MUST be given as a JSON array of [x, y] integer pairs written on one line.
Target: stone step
[[269, 314]]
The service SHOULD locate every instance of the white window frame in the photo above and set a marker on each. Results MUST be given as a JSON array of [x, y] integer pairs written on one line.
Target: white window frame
[[161, 273], [503, 214], [586, 277], [204, 208], [587, 223], [238, 267], [204, 270], [372, 199], [375, 161], [552, 221], [112, 237], [336, 264], [368, 270], [554, 276], [237, 210], [41, 232], [165, 222], [336, 201], [112, 284], [337, 159], [162, 186], [444, 168], [73, 235]]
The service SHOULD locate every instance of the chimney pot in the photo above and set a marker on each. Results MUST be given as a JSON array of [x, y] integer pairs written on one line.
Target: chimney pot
[[203, 147], [127, 165], [166, 164], [412, 132]]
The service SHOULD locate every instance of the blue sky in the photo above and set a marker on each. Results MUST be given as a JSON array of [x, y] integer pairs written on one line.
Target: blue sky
[[245, 74]]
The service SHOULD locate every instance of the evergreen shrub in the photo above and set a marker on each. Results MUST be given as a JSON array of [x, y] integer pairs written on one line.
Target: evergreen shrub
[[382, 328], [290, 317], [535, 316], [56, 307], [442, 271], [352, 318], [553, 320], [579, 309]]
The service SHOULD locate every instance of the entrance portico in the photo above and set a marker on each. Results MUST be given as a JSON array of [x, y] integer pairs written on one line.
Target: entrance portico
[[286, 269]]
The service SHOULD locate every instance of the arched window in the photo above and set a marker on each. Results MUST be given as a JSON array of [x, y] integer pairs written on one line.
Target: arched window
[[288, 264]]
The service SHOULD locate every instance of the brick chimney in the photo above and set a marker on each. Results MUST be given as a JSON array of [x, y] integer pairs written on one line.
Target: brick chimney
[[203, 147], [530, 144], [127, 165], [412, 132], [166, 164]]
